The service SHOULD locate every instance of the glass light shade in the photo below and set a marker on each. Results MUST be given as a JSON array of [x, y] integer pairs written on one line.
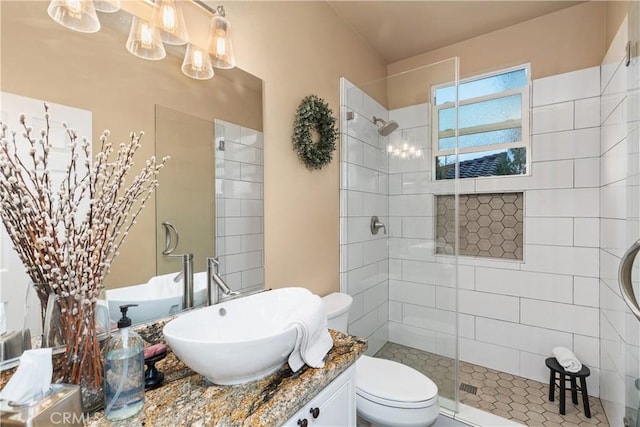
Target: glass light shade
[[78, 15], [107, 6], [220, 45], [168, 17], [144, 40], [197, 63]]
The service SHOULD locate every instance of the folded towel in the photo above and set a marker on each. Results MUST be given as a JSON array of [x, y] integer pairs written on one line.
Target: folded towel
[[567, 359], [313, 341]]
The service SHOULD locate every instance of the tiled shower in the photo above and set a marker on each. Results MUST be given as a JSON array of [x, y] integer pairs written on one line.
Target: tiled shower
[[550, 280], [240, 205]]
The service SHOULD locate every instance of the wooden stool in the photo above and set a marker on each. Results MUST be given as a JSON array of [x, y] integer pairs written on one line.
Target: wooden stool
[[556, 368]]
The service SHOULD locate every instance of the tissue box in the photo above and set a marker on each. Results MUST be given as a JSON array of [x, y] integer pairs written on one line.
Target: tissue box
[[60, 407]]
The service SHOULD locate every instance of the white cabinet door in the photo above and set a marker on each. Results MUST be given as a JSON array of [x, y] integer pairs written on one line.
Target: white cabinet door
[[335, 406]]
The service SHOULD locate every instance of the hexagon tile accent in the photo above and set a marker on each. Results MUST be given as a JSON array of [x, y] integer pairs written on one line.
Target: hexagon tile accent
[[491, 225], [510, 396]]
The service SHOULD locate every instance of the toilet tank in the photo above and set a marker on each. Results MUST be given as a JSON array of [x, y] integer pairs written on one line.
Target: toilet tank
[[337, 306]]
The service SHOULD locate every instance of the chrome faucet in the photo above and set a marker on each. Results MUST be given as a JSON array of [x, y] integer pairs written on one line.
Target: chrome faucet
[[187, 275], [222, 290]]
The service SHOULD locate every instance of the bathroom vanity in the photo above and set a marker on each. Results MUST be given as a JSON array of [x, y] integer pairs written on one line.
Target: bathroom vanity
[[309, 397]]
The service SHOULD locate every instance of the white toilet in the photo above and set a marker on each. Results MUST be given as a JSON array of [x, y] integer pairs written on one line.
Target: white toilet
[[388, 393]]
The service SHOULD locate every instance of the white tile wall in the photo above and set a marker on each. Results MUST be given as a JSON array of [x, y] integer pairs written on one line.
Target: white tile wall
[[364, 193], [240, 206], [567, 87], [571, 144]]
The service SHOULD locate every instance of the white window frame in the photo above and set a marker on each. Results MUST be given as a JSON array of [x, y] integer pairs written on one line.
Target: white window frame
[[525, 119]]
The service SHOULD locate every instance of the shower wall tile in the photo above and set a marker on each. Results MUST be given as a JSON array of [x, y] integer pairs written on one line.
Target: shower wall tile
[[395, 227], [614, 129], [614, 163], [579, 202], [571, 144], [568, 86], [446, 299], [549, 231], [484, 304], [587, 112], [522, 337], [395, 184], [586, 291], [429, 318], [438, 273], [587, 349], [376, 296], [586, 232], [562, 260], [417, 227], [412, 249], [365, 185], [544, 175], [518, 283], [587, 172], [614, 89], [493, 356], [374, 250], [560, 317], [612, 234], [553, 118], [422, 339], [613, 201], [412, 293], [411, 205]]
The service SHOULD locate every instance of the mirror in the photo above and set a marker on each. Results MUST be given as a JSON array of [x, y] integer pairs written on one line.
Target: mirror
[[95, 73]]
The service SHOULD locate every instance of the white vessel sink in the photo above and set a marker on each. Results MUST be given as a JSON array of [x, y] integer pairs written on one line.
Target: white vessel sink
[[159, 297], [240, 340]]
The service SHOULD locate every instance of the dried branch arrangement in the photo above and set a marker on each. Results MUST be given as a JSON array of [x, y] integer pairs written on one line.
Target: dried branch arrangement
[[67, 237]]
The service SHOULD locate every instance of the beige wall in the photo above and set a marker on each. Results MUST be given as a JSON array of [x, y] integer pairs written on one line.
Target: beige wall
[[563, 41], [615, 12], [299, 48]]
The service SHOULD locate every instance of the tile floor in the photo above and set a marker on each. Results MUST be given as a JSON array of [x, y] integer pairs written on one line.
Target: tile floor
[[509, 396]]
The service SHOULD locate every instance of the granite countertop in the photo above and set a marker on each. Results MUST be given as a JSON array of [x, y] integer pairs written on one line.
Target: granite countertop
[[188, 399]]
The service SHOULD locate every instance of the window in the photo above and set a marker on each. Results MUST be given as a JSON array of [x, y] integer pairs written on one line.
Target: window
[[493, 125]]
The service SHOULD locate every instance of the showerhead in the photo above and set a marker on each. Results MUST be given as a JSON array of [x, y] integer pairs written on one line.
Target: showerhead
[[387, 126]]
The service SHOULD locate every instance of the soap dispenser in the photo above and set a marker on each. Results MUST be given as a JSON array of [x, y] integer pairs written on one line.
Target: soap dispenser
[[124, 371]]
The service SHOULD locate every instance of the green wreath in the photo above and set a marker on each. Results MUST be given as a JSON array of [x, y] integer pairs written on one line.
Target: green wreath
[[314, 114]]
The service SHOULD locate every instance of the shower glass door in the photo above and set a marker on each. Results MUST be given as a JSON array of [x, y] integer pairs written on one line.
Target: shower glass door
[[632, 325], [404, 283]]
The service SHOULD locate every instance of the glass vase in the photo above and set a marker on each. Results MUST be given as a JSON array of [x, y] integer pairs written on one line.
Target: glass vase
[[82, 328]]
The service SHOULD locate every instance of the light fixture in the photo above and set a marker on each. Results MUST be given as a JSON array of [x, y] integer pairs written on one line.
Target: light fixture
[[78, 15], [144, 40], [107, 6], [197, 63], [220, 45], [168, 17]]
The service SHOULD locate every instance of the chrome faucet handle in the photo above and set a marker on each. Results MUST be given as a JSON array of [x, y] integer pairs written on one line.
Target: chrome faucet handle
[[376, 225], [215, 262]]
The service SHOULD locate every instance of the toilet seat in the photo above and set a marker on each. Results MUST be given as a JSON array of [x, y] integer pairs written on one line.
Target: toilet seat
[[393, 384]]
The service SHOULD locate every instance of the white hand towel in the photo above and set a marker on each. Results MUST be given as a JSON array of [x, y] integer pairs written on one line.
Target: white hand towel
[[313, 341], [567, 359]]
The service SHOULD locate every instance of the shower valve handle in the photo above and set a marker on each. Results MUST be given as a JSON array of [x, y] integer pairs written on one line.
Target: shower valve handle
[[376, 225]]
